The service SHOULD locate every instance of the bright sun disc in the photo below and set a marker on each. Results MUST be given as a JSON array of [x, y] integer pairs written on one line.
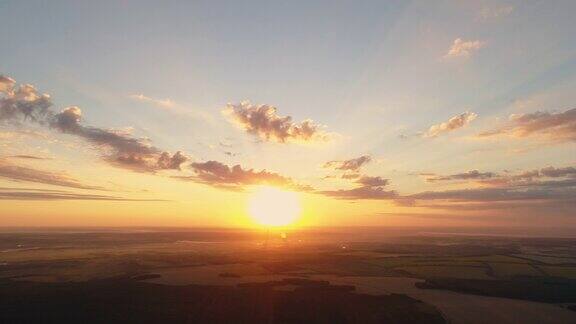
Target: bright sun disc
[[274, 207]]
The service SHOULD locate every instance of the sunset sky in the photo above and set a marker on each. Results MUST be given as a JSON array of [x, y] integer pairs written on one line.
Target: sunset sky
[[388, 113]]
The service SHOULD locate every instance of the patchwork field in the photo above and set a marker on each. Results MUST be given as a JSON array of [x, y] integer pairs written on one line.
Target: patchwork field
[[509, 270], [461, 276], [557, 271], [447, 271]]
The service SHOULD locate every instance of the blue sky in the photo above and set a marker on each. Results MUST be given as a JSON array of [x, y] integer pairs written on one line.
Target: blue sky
[[376, 74]]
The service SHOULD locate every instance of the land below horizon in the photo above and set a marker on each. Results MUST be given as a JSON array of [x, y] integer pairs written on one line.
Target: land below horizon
[[310, 276]]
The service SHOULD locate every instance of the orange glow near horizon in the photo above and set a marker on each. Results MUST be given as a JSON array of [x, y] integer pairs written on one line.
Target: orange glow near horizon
[[272, 207]]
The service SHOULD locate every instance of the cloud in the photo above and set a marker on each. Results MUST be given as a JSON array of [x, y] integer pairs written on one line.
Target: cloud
[[230, 154], [465, 49], [227, 143], [263, 121], [359, 193], [367, 181], [528, 205], [452, 124], [121, 149], [554, 127], [348, 165], [36, 194], [525, 178], [469, 175], [163, 103], [349, 176], [22, 103], [6, 84], [173, 107], [545, 190], [20, 173], [549, 189], [369, 188], [22, 133], [167, 162], [531, 177], [28, 157], [558, 172], [219, 175], [494, 194], [124, 150], [547, 184], [488, 13]]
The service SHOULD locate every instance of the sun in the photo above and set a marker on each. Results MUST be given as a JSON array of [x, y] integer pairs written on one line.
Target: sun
[[271, 206]]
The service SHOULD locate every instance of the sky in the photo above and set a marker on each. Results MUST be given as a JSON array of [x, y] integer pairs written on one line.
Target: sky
[[376, 113]]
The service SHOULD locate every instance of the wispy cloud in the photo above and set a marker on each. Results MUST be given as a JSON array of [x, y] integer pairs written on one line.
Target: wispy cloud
[[264, 122], [495, 194], [369, 187], [27, 174], [360, 193], [25, 104], [545, 190], [28, 157], [494, 12], [38, 194], [220, 175], [368, 181], [121, 149], [353, 165], [163, 103], [468, 175], [550, 126], [173, 107], [452, 124], [17, 134], [464, 49], [126, 150], [533, 177], [349, 176], [507, 178], [366, 187]]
